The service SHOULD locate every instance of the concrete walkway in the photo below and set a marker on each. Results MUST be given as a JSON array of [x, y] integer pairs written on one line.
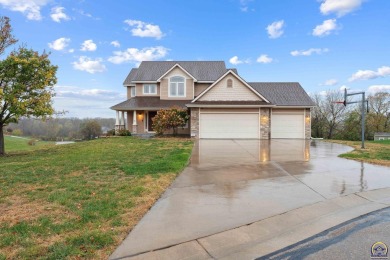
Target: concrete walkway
[[245, 198]]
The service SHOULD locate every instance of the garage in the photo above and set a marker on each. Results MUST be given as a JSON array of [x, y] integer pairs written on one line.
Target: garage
[[229, 125], [287, 124]]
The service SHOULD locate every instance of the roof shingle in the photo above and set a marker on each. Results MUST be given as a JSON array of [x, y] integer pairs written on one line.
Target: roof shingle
[[283, 93], [147, 103], [201, 70]]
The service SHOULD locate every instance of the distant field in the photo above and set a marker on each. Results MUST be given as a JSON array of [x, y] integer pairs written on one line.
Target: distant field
[[377, 152], [15, 143], [79, 201]]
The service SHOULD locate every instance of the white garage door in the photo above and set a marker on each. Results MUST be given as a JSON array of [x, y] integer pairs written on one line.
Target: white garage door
[[229, 126], [287, 125]]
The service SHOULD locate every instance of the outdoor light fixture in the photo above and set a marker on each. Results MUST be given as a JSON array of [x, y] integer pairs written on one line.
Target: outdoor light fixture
[[141, 116], [264, 119]]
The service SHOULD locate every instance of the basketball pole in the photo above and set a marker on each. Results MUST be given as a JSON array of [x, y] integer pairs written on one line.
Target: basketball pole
[[364, 102]]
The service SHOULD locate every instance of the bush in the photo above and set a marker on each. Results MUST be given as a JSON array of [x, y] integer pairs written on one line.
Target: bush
[[17, 132], [124, 132], [31, 142], [110, 132], [170, 119], [91, 130]]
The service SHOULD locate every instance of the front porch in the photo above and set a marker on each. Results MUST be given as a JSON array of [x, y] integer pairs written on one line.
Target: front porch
[[136, 121]]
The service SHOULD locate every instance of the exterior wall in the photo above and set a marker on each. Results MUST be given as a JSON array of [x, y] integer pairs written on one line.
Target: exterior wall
[[265, 122], [128, 92], [129, 123], [165, 85], [194, 118], [200, 87], [139, 90], [381, 137], [307, 124]]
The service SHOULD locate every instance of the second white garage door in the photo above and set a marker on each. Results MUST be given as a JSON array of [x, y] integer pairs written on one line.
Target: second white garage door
[[229, 126], [287, 125]]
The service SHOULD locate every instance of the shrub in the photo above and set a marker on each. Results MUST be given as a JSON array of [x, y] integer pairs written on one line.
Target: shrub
[[111, 132], [171, 118], [17, 132], [91, 130], [31, 142], [124, 132]]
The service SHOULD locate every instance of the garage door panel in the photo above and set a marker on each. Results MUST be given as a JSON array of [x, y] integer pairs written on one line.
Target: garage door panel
[[229, 126], [287, 126]]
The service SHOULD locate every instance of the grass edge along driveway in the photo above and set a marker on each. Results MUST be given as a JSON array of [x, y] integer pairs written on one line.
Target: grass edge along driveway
[[81, 200], [375, 152]]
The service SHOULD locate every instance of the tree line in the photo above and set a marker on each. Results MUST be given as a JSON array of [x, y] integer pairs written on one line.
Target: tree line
[[331, 120], [55, 129]]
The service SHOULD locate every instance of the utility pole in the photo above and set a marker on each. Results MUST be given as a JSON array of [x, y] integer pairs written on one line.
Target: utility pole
[[364, 103]]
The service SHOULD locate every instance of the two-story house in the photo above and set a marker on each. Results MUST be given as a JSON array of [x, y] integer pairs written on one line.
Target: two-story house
[[221, 103]]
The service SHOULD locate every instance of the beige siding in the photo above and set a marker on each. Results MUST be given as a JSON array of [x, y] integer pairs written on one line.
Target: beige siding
[[128, 92], [139, 90], [200, 87], [296, 111], [165, 85], [220, 91]]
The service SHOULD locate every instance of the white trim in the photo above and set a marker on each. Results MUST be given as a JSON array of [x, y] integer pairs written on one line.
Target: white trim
[[155, 89], [205, 81], [239, 78], [185, 87], [229, 106], [174, 66], [292, 107], [146, 81]]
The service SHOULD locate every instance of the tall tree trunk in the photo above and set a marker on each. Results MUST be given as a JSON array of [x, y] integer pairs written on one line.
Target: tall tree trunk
[[2, 149]]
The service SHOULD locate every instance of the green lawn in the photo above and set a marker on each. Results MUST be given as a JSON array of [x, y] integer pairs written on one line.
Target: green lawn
[[81, 200], [13, 144], [377, 152]]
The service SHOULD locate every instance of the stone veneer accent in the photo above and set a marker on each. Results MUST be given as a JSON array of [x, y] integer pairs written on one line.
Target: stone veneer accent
[[307, 124], [195, 122], [265, 119]]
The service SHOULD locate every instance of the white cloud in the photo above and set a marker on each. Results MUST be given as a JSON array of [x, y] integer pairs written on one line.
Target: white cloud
[[381, 72], [330, 82], [235, 60], [30, 8], [275, 29], [89, 65], [325, 28], [264, 59], [323, 93], [85, 102], [59, 44], [142, 29], [115, 44], [88, 45], [244, 5], [339, 7], [58, 14], [378, 88], [135, 55], [309, 52], [344, 87]]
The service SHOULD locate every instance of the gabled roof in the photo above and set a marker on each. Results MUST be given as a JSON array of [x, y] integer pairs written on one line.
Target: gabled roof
[[130, 77], [239, 78], [200, 70], [283, 93], [176, 66]]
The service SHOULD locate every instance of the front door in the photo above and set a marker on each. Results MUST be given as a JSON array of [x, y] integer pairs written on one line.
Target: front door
[[151, 114]]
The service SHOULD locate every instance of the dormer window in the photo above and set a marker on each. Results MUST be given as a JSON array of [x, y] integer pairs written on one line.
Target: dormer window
[[150, 89], [177, 86], [229, 83]]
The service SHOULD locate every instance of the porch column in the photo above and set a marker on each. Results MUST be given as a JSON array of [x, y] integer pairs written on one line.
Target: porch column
[[117, 127], [135, 121], [123, 123]]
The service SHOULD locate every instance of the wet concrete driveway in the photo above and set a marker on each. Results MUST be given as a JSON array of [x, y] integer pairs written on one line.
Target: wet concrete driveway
[[231, 183]]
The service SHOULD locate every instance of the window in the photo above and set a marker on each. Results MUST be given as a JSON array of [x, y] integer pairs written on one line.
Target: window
[[150, 89], [132, 91], [229, 83], [177, 87]]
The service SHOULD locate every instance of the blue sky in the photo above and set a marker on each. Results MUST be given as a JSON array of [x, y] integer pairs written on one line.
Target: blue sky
[[324, 45]]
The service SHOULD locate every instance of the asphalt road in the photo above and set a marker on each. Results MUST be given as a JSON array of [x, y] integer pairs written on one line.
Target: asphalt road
[[350, 240]]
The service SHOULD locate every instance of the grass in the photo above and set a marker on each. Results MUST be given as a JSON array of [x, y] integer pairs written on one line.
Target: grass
[[81, 200], [13, 144], [376, 152]]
